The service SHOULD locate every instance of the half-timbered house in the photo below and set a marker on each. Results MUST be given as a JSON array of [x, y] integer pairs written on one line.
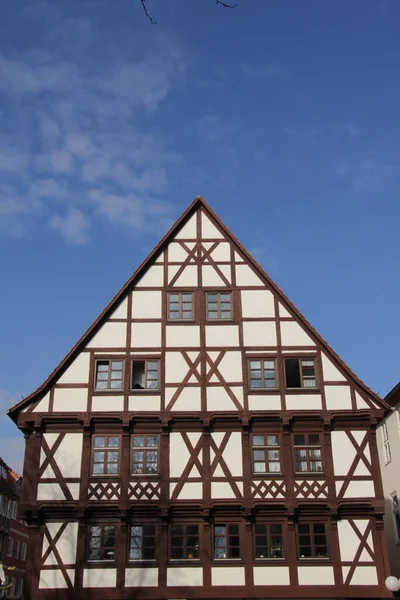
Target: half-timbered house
[[201, 440]]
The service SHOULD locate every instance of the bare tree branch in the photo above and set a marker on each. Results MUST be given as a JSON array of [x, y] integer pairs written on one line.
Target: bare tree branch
[[225, 5], [152, 21]]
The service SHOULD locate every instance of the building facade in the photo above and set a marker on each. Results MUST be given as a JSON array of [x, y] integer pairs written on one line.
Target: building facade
[[388, 438], [201, 440], [13, 533]]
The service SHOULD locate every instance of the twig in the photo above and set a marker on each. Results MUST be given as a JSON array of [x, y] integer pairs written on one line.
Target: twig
[[225, 5], [152, 21]]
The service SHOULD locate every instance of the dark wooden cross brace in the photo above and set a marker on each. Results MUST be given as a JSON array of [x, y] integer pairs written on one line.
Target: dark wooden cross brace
[[51, 461], [363, 546], [360, 456], [219, 460], [193, 461], [53, 548]]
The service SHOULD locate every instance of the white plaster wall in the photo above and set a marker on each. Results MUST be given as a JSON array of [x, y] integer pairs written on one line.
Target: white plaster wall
[[189, 399], [189, 230], [43, 405], [146, 335], [364, 575], [68, 400], [183, 336], [121, 312], [208, 229], [222, 489], [110, 335], [265, 402], [246, 276], [144, 402], [146, 305], [311, 575], [192, 490], [293, 334], [349, 541], [271, 575], [184, 576], [303, 401], [141, 577], [283, 313], [211, 278], [360, 402], [225, 335], [66, 545], [232, 453], [331, 373], [54, 579], [179, 454], [68, 455], [230, 366], [100, 578], [227, 576], [50, 491], [257, 303], [343, 452], [222, 252], [219, 399], [154, 277], [176, 253], [360, 489], [176, 367], [78, 371], [188, 277], [338, 397], [259, 333], [107, 403]]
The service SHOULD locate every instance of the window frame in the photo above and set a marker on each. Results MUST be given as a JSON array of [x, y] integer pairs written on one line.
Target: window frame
[[265, 449], [269, 537], [219, 319], [156, 533], [262, 390], [300, 357], [106, 451], [24, 550], [308, 447], [387, 454], [145, 389], [312, 545], [145, 449], [102, 547], [228, 547], [181, 319], [10, 546], [109, 389], [16, 549], [184, 546]]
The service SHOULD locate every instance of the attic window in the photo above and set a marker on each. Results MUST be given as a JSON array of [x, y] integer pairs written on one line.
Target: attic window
[[300, 373], [145, 374], [109, 374], [180, 307], [219, 306]]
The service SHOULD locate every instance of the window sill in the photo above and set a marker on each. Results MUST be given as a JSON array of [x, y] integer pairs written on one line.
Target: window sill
[[146, 475], [145, 391], [143, 562], [227, 561], [105, 475], [268, 474], [109, 391], [269, 560], [101, 562], [315, 559], [309, 474], [257, 391], [306, 390], [185, 561]]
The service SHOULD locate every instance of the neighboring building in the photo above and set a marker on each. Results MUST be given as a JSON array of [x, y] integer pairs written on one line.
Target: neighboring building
[[13, 533], [201, 440], [388, 433]]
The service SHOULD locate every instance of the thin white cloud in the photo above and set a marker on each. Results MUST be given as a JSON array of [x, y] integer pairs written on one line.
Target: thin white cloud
[[73, 225], [367, 174]]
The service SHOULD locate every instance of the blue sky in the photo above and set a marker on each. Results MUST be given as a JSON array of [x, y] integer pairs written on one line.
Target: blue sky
[[283, 114]]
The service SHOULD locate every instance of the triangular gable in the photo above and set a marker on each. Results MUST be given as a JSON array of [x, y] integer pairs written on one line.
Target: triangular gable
[[247, 273]]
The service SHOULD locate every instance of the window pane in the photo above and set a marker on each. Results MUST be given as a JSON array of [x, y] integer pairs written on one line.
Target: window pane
[[305, 551], [255, 364], [98, 457], [225, 314], [272, 440], [94, 554], [99, 442], [138, 370], [234, 552], [174, 314], [274, 467], [258, 440], [102, 367], [152, 442], [212, 315], [138, 442], [102, 376], [259, 455], [259, 467], [299, 440], [101, 385], [212, 298], [113, 442], [255, 383], [313, 440]]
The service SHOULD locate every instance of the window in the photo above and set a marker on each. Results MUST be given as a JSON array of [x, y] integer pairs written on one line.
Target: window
[[184, 542], [180, 307], [105, 455], [145, 454], [268, 541], [396, 516], [307, 451], [16, 549], [142, 542], [10, 546], [109, 374], [386, 444], [101, 543], [312, 540], [19, 587], [300, 373], [266, 454], [219, 306], [145, 375], [23, 551], [9, 509], [14, 510], [226, 541], [262, 374]]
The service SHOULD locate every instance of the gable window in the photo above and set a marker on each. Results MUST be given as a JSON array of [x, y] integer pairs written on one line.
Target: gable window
[[142, 542], [109, 374], [105, 454], [184, 542], [101, 542], [226, 541], [396, 515], [312, 540], [219, 306], [266, 455], [268, 541], [386, 444], [145, 454], [300, 373], [180, 307], [262, 374], [307, 451], [145, 374], [23, 551]]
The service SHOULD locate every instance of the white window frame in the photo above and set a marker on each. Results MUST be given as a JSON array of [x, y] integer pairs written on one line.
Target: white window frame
[[387, 455]]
